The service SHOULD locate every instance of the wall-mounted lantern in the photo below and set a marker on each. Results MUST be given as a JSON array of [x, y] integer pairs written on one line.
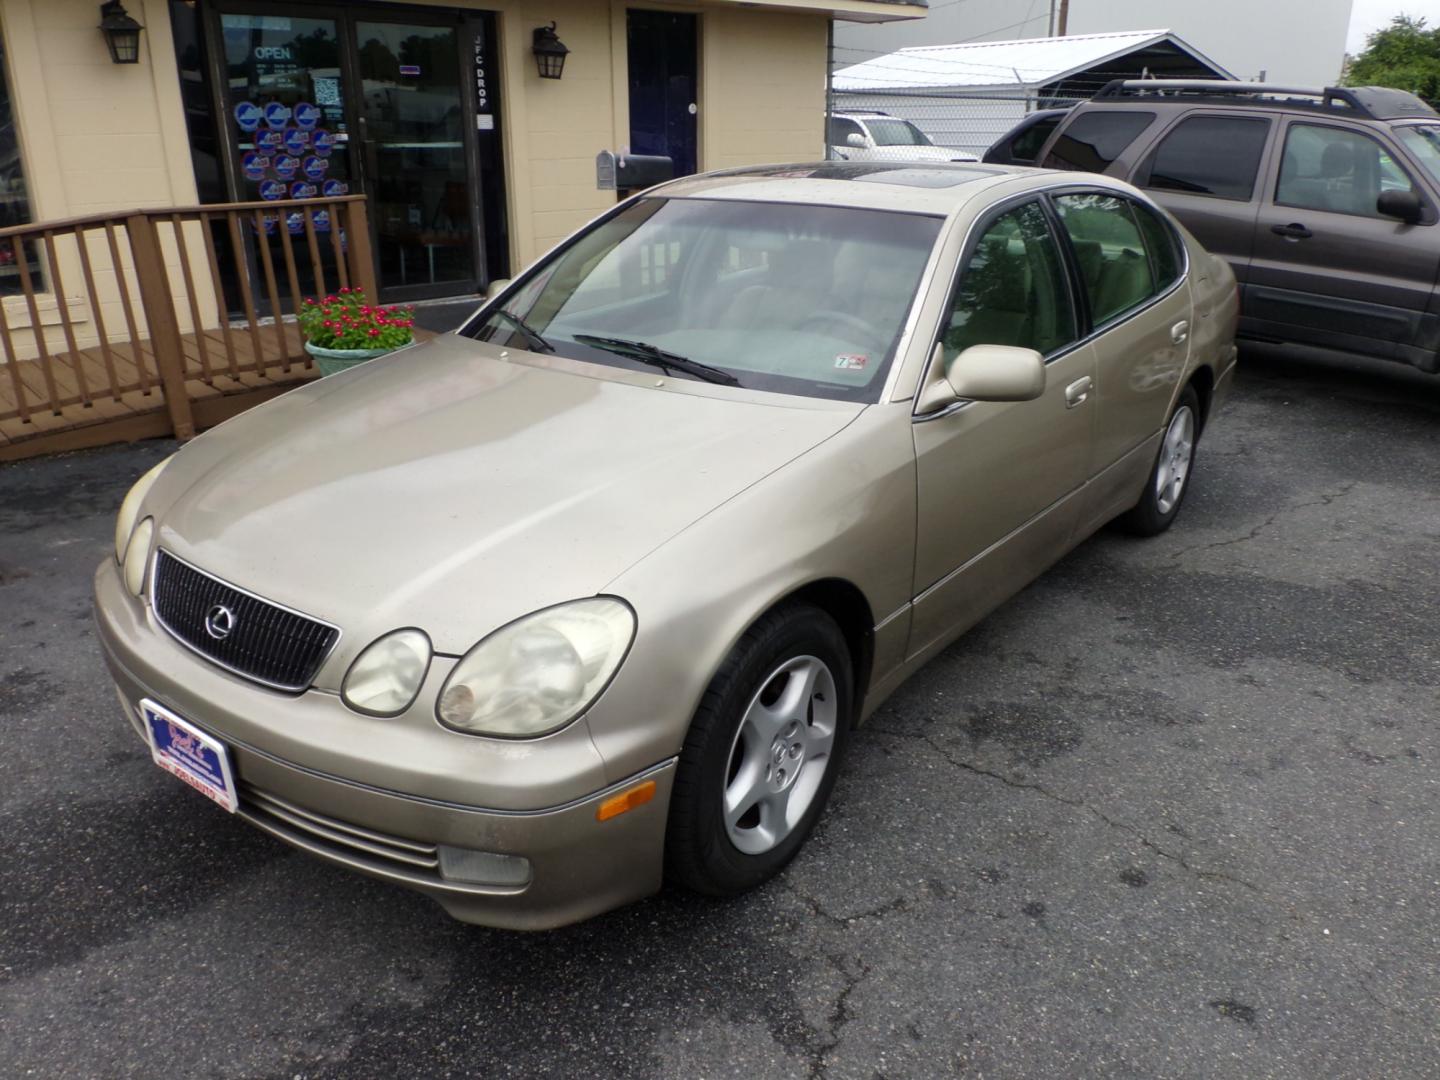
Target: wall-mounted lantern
[[550, 52], [122, 33]]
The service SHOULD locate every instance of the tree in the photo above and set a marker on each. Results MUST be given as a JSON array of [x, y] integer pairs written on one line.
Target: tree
[[1405, 55]]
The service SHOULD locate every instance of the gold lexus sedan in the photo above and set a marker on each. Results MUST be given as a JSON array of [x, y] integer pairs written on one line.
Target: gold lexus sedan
[[592, 593]]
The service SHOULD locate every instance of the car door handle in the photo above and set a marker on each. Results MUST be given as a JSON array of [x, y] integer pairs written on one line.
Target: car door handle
[[1179, 332], [1293, 231], [1078, 392]]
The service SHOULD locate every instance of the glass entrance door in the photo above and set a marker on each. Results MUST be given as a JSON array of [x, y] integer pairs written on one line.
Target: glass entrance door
[[412, 129], [392, 104]]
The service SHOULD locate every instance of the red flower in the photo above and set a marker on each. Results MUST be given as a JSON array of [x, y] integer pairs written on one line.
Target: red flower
[[332, 299], [345, 290], [374, 333]]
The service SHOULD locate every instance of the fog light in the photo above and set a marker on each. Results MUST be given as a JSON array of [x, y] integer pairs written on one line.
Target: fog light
[[483, 867]]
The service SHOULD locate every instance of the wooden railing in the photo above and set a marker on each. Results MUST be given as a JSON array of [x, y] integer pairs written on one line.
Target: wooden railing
[[115, 315]]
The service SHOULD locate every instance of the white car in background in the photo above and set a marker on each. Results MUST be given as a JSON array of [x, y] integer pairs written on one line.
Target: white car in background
[[877, 136]]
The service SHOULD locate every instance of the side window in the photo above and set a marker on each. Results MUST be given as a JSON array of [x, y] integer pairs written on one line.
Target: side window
[[1330, 168], [1094, 139], [1162, 243], [1111, 255], [1026, 146], [1188, 158], [1012, 291], [840, 128]]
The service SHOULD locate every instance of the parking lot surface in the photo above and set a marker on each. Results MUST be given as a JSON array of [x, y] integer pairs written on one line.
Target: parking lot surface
[[1171, 812]]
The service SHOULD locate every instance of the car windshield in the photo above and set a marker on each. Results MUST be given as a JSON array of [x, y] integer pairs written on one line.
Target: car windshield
[[787, 297], [896, 133], [1423, 141]]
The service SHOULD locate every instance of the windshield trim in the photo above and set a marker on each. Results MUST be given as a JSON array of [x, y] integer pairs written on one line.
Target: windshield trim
[[879, 391]]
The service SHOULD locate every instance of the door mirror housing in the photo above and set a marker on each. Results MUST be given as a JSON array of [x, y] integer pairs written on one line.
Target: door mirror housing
[[1405, 205], [986, 373], [855, 140], [496, 287]]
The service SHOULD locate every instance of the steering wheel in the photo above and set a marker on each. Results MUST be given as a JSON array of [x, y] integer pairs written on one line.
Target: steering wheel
[[828, 317]]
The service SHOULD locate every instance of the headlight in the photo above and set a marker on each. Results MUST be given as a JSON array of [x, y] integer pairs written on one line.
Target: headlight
[[385, 678], [130, 509], [540, 672], [137, 554]]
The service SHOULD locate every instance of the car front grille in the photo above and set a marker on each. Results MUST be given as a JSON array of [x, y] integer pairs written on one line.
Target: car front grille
[[255, 638], [393, 856]]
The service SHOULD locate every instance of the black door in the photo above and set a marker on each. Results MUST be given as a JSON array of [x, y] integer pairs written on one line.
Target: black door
[[663, 86]]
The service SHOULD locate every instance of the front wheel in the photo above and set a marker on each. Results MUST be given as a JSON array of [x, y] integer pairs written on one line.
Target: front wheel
[[762, 753], [1170, 476]]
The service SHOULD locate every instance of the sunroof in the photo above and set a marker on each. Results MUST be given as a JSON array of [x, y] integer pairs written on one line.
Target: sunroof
[[899, 173]]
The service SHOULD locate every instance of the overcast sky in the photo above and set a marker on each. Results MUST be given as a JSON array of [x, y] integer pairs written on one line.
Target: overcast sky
[[1370, 15]]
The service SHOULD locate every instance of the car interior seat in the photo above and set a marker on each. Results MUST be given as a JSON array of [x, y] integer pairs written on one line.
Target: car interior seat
[[797, 284]]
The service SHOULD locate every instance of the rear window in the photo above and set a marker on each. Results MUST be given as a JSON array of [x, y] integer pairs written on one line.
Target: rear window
[[1026, 146], [1095, 139], [1208, 155]]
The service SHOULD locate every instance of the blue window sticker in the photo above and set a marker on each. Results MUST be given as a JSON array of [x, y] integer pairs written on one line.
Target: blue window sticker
[[322, 142], [286, 165], [247, 115], [268, 223], [333, 188], [277, 115], [269, 140], [295, 223], [254, 164], [322, 221], [409, 69], [307, 115], [272, 189], [303, 189], [315, 167], [296, 140]]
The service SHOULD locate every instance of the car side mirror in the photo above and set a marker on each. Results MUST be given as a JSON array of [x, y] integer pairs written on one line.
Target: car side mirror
[[986, 373], [496, 287], [855, 140], [1405, 205]]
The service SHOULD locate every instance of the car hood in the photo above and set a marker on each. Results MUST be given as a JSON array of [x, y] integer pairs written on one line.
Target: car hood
[[452, 490]]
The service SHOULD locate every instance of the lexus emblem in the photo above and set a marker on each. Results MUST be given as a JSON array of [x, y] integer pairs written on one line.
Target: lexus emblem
[[219, 622]]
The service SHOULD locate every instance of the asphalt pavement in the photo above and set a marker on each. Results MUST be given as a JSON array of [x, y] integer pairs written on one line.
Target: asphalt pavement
[[1171, 812]]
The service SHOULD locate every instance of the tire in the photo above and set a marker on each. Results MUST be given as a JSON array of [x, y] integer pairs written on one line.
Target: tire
[[1169, 478], [768, 736]]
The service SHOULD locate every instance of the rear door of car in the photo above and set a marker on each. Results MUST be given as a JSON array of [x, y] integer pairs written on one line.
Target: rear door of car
[[1205, 169], [1328, 268], [1130, 265]]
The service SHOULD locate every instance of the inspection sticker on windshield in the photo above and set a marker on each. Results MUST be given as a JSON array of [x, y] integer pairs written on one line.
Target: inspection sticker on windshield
[[852, 361], [184, 751]]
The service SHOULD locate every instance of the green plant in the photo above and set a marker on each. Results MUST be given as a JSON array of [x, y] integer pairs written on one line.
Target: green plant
[[349, 321], [1405, 55]]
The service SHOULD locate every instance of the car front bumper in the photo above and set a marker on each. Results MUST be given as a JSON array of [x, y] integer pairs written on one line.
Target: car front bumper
[[514, 868]]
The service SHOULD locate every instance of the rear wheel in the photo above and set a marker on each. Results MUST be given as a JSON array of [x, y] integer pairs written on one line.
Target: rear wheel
[[761, 756], [1170, 476]]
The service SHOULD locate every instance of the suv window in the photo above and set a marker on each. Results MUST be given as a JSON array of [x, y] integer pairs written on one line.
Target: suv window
[[1013, 290], [1110, 252], [1093, 140], [1187, 158], [1331, 168], [1026, 146], [840, 128]]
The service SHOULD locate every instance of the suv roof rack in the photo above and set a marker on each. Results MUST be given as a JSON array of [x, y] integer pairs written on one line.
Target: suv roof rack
[[1370, 102]]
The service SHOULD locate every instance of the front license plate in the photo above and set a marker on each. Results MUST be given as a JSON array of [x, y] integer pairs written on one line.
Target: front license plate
[[187, 752]]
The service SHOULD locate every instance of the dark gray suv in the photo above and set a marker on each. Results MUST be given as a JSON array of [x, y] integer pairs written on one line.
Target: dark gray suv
[[1326, 202]]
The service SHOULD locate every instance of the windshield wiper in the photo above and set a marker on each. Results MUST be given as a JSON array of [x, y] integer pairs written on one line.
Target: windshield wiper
[[658, 357], [530, 334]]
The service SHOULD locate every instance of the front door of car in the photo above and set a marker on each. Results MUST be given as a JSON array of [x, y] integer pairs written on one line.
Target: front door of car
[[1130, 265], [996, 480], [1328, 268]]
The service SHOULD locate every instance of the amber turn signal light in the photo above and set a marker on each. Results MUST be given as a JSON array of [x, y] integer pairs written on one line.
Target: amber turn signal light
[[626, 800]]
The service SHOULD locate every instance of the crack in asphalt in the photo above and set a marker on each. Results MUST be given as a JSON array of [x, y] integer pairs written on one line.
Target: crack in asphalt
[[1078, 804], [839, 1016], [1325, 500]]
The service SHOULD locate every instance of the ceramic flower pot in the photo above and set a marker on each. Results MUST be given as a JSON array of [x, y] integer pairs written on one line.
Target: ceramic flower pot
[[329, 361]]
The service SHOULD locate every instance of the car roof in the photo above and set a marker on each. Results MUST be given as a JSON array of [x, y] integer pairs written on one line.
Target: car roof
[[913, 187]]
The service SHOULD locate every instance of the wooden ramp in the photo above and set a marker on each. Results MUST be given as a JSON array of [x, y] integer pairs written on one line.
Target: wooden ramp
[[92, 412], [157, 270]]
